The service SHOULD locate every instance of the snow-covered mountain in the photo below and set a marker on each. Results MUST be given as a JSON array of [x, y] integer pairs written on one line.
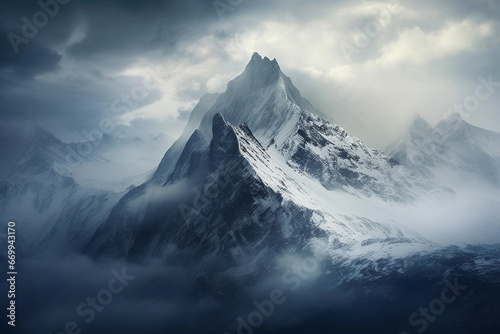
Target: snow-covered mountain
[[60, 192], [453, 152], [252, 188], [258, 179], [466, 158], [286, 168], [280, 118]]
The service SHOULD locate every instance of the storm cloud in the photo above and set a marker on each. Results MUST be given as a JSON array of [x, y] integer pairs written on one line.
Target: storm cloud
[[370, 66]]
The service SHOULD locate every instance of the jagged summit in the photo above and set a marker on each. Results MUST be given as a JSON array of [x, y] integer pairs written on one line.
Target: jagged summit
[[273, 110], [453, 117], [465, 151], [257, 58], [418, 121], [43, 137], [44, 150], [218, 123], [418, 129], [262, 70], [262, 97], [280, 155]]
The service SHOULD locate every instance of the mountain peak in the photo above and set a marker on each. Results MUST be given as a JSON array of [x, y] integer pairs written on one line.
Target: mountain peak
[[218, 123], [43, 137], [418, 129], [454, 123], [454, 117], [256, 57], [420, 123], [262, 70], [418, 120]]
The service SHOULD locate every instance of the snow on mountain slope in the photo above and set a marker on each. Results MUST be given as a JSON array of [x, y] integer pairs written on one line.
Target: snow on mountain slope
[[120, 162], [168, 161], [466, 158], [256, 208], [58, 196], [273, 109], [454, 152], [262, 96], [280, 123], [34, 195], [339, 161], [264, 190], [231, 200], [303, 192]]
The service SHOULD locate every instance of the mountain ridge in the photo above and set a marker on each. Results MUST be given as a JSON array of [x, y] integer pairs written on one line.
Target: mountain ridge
[[453, 144]]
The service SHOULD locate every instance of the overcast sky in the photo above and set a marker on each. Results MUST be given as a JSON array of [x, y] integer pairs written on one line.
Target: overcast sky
[[148, 62]]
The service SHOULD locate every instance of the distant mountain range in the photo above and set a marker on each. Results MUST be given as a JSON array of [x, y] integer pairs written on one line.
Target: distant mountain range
[[453, 152], [257, 174], [62, 192]]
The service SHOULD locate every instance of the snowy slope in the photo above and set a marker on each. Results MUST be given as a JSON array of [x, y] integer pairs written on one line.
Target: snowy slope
[[167, 163], [256, 174], [257, 177], [292, 153], [267, 203], [34, 194], [256, 207], [339, 161], [58, 196], [454, 152], [120, 162], [461, 156], [278, 116]]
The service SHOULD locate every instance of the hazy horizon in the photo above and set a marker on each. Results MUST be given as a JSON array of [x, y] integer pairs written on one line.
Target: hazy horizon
[[148, 64]]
